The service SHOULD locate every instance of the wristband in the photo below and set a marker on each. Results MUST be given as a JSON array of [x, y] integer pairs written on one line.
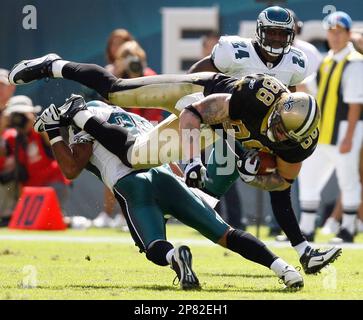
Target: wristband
[[55, 140]]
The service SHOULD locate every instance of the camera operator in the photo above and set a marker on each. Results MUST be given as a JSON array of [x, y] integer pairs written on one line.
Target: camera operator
[[131, 62], [6, 91], [6, 189], [27, 159]]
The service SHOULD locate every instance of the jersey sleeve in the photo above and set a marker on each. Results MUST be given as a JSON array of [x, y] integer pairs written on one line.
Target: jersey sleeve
[[222, 54], [300, 65], [295, 155], [301, 152]]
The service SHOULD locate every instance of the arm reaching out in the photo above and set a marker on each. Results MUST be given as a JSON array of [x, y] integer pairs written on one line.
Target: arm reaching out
[[213, 109], [210, 110]]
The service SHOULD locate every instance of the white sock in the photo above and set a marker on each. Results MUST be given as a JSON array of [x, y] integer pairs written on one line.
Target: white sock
[[57, 67], [348, 222], [300, 248], [307, 222], [82, 117], [278, 266], [169, 255]]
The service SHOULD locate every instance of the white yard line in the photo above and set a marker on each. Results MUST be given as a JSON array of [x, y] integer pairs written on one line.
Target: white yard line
[[128, 240]]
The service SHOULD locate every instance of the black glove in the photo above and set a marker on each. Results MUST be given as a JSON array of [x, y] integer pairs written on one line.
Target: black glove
[[195, 174], [248, 165]]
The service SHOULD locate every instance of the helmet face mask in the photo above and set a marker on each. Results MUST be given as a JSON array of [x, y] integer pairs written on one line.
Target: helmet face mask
[[295, 117], [275, 30], [276, 130]]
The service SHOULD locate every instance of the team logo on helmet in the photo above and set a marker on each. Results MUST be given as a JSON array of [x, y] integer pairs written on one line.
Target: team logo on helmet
[[288, 104], [295, 117]]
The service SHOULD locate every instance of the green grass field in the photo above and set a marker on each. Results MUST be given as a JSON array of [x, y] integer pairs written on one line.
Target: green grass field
[[65, 266]]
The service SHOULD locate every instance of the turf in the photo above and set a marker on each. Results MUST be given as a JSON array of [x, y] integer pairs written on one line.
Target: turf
[[113, 270]]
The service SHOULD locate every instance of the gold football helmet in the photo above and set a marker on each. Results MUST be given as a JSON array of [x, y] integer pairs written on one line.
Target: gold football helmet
[[295, 116]]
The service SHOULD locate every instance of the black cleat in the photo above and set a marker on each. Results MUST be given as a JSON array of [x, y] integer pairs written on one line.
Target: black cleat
[[313, 260], [28, 71], [72, 105], [343, 236], [182, 265]]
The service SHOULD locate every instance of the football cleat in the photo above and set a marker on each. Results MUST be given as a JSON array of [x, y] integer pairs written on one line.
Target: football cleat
[[292, 278], [28, 71], [73, 104], [313, 260], [182, 265]]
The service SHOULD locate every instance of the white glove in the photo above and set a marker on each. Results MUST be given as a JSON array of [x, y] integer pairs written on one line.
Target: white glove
[[248, 165], [195, 174], [48, 120]]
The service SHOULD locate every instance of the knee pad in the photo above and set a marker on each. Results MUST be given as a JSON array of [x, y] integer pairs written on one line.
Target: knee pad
[[157, 250]]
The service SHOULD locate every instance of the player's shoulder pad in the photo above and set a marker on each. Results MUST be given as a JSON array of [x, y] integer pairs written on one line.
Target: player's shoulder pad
[[225, 51], [297, 59], [96, 104], [230, 39], [298, 62]]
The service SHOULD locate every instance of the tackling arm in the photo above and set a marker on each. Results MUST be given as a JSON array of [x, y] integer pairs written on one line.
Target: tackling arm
[[72, 160], [213, 109], [204, 64]]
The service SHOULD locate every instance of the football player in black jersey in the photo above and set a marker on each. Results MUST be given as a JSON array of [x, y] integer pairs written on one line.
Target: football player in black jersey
[[263, 113]]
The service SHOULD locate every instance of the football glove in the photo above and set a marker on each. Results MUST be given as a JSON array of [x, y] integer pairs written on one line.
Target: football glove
[[248, 165], [49, 121], [195, 174]]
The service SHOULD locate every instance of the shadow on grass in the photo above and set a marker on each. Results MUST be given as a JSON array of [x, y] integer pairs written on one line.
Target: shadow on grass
[[242, 275], [70, 286], [151, 287], [207, 290]]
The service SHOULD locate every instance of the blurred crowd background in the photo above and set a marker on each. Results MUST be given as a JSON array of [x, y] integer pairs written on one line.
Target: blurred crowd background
[[131, 39]]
